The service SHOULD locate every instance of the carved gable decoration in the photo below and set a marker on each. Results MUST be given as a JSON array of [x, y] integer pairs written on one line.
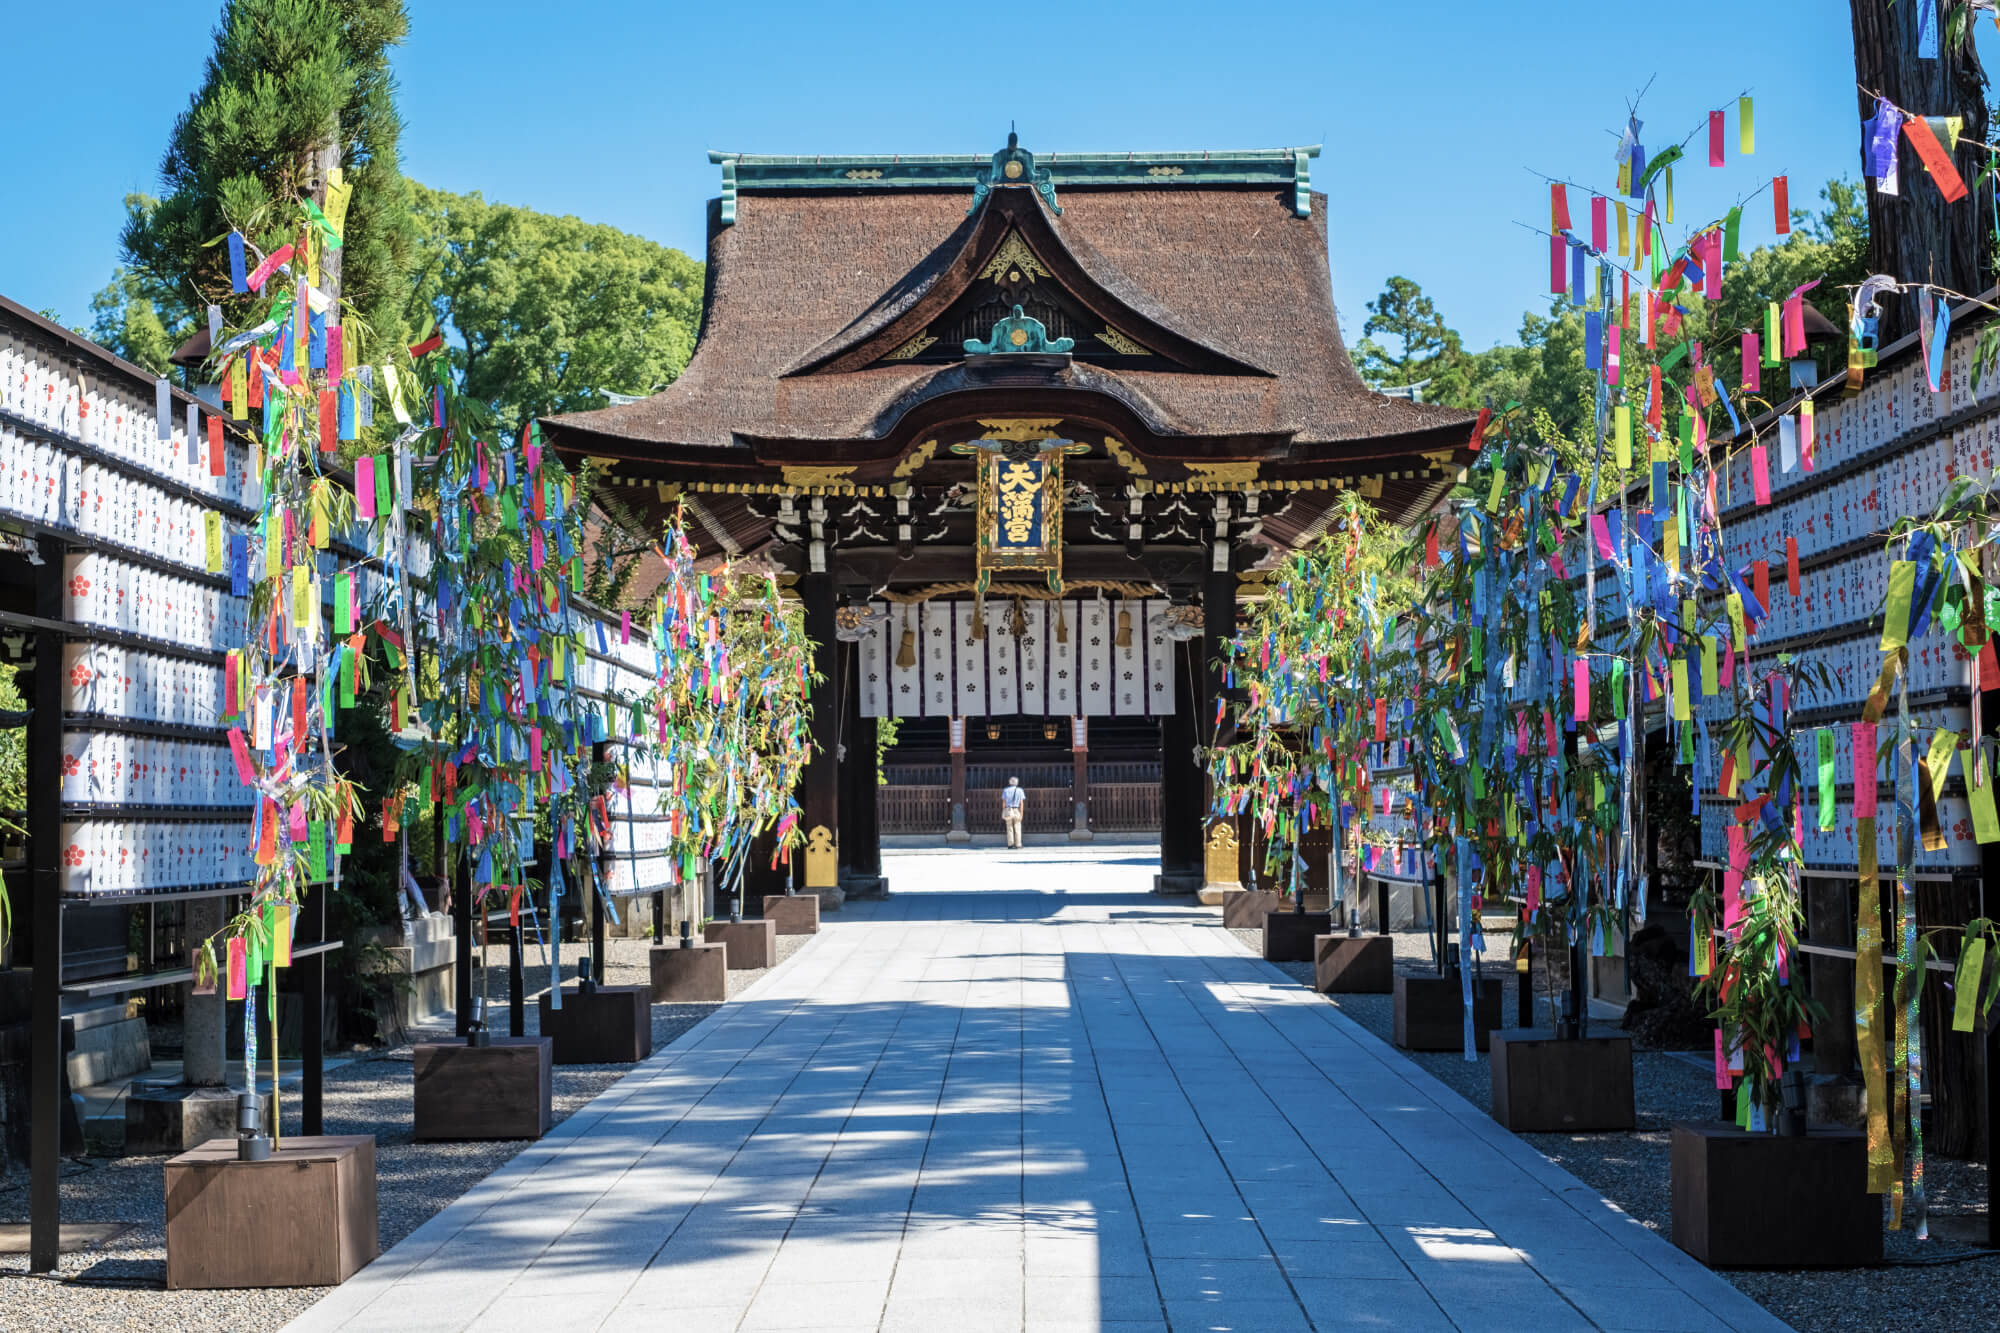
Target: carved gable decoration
[[1013, 292], [1012, 261]]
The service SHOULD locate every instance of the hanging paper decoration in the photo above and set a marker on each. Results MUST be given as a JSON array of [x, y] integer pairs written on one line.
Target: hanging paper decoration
[[1320, 664], [729, 713]]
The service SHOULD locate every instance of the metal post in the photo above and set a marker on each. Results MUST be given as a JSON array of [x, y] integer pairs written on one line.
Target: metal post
[[1381, 907], [659, 915], [1438, 919], [312, 1025], [461, 929], [47, 1075], [517, 984], [1524, 995], [597, 938]]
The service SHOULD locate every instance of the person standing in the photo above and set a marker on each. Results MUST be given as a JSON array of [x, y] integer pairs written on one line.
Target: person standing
[[1013, 804]]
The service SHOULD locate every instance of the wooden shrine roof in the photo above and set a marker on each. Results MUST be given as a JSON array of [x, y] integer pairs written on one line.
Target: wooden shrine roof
[[819, 270]]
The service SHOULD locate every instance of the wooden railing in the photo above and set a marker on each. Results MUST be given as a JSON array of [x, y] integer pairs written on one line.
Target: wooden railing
[[978, 776], [913, 809], [1119, 807]]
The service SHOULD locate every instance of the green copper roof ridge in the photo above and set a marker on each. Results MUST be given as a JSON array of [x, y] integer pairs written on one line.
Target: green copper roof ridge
[[975, 160], [969, 171]]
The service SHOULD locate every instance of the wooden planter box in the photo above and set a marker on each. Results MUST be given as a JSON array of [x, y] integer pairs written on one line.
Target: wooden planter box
[[1289, 935], [1245, 909], [792, 913], [698, 974], [1544, 1085], [752, 944], [1745, 1200], [612, 1025], [1354, 964], [305, 1217], [497, 1091], [1430, 1013]]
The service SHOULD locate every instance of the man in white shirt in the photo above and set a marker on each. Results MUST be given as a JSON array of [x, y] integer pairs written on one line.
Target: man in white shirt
[[1013, 804]]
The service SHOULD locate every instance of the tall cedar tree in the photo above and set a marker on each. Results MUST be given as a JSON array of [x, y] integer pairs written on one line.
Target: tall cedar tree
[[284, 75]]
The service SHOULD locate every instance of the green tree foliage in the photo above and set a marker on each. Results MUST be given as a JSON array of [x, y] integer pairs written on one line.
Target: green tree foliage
[[285, 74], [553, 312], [128, 323], [1419, 346], [1543, 369], [136, 316]]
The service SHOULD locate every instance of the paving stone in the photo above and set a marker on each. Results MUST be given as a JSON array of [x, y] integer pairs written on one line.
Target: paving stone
[[1077, 1107]]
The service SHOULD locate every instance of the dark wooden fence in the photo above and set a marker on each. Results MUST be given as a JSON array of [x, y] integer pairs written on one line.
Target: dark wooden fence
[[1115, 807]]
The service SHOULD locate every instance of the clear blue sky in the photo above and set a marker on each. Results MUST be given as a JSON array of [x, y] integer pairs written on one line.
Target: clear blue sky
[[605, 109]]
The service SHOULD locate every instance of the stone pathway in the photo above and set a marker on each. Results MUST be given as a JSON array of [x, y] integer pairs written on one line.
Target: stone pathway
[[1025, 1095]]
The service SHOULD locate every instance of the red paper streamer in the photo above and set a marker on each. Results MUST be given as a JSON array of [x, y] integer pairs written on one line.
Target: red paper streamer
[[1935, 159]]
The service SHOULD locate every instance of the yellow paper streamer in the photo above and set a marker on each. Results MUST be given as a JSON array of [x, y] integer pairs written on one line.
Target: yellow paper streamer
[[1868, 1017]]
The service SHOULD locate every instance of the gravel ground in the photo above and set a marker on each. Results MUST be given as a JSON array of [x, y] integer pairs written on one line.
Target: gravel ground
[[121, 1283], [1932, 1284]]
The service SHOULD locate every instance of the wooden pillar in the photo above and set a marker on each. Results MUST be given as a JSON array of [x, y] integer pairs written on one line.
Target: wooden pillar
[[959, 831], [860, 833], [48, 1090], [1218, 607], [1079, 778], [1181, 784], [760, 877], [1829, 905], [819, 866]]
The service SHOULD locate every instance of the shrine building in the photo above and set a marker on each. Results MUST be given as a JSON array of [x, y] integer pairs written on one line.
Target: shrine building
[[1026, 429]]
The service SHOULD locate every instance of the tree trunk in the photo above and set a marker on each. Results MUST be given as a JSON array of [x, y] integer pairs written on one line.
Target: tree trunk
[[325, 158], [1916, 236]]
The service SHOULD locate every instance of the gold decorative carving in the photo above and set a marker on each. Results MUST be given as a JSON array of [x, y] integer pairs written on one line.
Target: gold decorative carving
[[822, 861], [1219, 869], [1012, 170], [1124, 457], [1028, 429], [1013, 261], [1439, 458], [1121, 344], [1371, 487], [910, 348], [799, 475], [869, 174], [1223, 472], [1164, 171], [916, 458]]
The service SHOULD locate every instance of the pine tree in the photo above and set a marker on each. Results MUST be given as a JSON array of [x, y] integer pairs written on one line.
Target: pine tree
[[287, 79]]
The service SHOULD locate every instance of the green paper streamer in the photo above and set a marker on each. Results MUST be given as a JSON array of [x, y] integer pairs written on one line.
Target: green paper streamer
[[1826, 799], [1970, 964]]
